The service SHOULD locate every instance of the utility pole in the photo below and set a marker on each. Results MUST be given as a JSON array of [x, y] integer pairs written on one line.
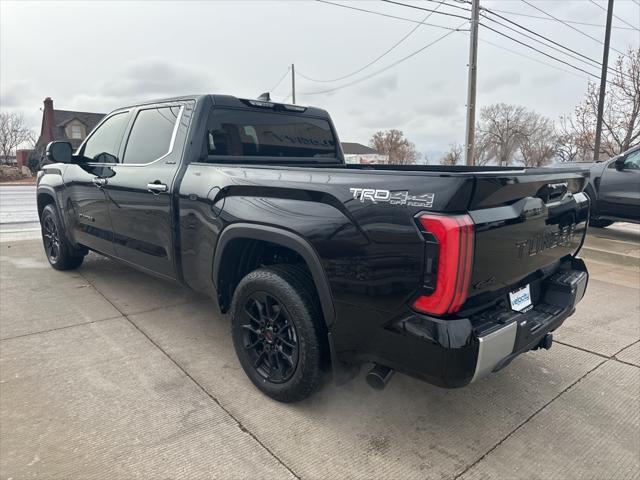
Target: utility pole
[[293, 83], [603, 82], [471, 89]]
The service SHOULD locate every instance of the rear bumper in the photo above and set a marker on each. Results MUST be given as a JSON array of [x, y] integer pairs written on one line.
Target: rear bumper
[[453, 353], [521, 332]]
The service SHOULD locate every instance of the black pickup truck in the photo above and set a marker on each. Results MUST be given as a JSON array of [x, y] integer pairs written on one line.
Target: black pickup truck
[[443, 273]]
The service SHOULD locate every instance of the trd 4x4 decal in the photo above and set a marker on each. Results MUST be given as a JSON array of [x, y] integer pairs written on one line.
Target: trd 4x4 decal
[[401, 197]]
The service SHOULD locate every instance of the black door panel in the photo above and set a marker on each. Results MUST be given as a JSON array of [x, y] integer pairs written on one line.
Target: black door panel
[[86, 202], [619, 193], [140, 193]]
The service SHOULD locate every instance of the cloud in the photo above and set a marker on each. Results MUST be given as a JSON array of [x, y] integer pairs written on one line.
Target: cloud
[[15, 94], [439, 107], [157, 77], [436, 85], [144, 80], [380, 86], [547, 78], [392, 118], [497, 80]]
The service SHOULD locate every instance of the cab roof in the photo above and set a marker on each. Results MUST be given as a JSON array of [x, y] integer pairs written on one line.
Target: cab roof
[[235, 102]]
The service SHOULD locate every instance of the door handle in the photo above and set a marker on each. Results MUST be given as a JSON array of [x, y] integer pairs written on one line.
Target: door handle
[[99, 182], [156, 187]]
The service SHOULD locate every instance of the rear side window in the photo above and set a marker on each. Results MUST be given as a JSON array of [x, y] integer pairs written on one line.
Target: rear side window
[[150, 136], [267, 134]]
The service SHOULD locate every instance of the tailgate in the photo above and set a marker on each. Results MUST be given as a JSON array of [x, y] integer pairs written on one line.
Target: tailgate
[[524, 224]]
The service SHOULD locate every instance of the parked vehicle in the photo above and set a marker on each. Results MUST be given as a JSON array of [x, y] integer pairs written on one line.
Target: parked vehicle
[[443, 273], [614, 188]]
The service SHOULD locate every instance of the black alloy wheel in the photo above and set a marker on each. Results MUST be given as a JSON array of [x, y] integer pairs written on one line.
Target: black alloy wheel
[[61, 255], [278, 331], [51, 239], [269, 336]]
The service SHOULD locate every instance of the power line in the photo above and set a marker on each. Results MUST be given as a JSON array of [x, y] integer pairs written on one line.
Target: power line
[[377, 72], [575, 57], [381, 14], [459, 7], [379, 57], [530, 37], [280, 81], [570, 26], [637, 2], [539, 51], [522, 43], [425, 9], [574, 22], [533, 59], [615, 16]]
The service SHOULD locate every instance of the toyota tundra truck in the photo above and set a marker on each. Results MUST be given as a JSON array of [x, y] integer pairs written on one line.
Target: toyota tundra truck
[[444, 273]]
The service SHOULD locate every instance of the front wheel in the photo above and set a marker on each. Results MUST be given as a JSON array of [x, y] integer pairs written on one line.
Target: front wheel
[[277, 331], [60, 254]]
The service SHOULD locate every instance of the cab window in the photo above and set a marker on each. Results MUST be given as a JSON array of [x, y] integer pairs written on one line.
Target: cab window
[[103, 145], [246, 133], [151, 134]]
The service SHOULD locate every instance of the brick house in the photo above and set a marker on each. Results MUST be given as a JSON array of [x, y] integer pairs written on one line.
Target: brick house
[[66, 125], [358, 153]]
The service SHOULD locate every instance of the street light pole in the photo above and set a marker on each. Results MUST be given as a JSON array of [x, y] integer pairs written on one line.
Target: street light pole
[[603, 82], [471, 89]]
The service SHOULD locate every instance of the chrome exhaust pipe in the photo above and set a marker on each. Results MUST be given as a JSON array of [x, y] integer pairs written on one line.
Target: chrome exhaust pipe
[[379, 376]]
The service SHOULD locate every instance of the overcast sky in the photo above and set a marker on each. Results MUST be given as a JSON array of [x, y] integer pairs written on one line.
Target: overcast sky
[[95, 56]]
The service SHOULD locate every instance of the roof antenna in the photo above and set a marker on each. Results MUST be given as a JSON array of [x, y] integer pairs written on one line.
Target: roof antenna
[[265, 97]]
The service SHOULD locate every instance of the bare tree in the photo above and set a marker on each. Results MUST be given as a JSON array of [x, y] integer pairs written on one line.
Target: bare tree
[[453, 156], [482, 151], [13, 133], [393, 143], [537, 145], [621, 118], [501, 128], [573, 142]]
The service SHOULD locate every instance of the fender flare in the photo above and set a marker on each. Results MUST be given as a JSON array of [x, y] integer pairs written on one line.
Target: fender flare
[[286, 239], [46, 189], [50, 191]]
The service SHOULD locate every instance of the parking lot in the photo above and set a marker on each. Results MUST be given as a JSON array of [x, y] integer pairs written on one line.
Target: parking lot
[[108, 373]]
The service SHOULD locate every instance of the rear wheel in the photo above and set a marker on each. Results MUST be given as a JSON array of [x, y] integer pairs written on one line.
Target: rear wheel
[[60, 254], [277, 333], [600, 223]]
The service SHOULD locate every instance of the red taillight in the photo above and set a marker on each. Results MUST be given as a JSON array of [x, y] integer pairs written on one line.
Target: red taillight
[[454, 237]]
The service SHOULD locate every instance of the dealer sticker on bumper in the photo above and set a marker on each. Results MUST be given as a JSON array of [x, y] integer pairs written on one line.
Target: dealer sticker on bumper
[[521, 299]]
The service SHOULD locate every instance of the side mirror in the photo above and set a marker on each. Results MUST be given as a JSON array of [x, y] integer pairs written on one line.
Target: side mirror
[[619, 163], [59, 152]]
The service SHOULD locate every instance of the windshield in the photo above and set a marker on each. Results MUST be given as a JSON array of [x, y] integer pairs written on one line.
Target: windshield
[[267, 134]]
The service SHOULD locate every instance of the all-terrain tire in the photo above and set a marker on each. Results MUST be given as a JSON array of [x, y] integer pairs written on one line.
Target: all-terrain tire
[[61, 255], [289, 297]]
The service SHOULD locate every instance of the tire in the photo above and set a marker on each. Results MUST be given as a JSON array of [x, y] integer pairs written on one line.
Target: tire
[[278, 333], [600, 223], [60, 254]]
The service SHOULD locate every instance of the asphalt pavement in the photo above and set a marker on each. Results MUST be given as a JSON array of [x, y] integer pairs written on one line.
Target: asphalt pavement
[[18, 212], [108, 373]]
